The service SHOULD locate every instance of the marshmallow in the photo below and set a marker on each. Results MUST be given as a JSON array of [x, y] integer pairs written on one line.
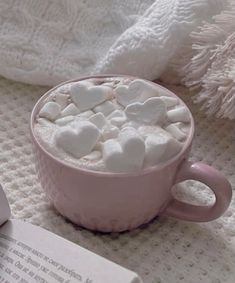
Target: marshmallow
[[44, 122], [143, 88], [109, 84], [176, 132], [50, 110], [71, 109], [124, 81], [132, 124], [152, 111], [87, 83], [117, 105], [123, 96], [106, 108], [160, 148], [113, 157], [183, 127], [137, 91], [64, 121], [155, 147], [117, 118], [93, 156], [133, 147], [116, 128], [61, 99], [109, 132], [115, 114], [169, 101], [118, 121], [121, 157], [78, 141], [88, 97], [86, 114], [179, 114], [63, 89], [145, 131], [98, 119], [173, 148]]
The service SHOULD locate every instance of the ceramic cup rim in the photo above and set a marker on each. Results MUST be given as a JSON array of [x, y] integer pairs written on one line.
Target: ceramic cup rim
[[104, 173]]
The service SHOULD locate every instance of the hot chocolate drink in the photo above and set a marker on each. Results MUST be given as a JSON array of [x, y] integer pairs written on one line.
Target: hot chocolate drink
[[112, 124]]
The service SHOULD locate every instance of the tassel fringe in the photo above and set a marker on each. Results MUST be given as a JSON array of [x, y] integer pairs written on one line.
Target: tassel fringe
[[211, 69]]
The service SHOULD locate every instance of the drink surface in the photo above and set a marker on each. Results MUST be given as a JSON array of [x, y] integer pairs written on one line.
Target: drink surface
[[112, 124]]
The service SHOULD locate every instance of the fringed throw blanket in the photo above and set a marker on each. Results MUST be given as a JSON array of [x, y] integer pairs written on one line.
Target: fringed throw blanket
[[212, 66]]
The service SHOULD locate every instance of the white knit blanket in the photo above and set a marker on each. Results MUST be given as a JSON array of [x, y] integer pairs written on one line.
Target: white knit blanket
[[49, 41]]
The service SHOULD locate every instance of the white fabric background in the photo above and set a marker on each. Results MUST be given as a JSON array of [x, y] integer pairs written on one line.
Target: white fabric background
[[166, 250], [49, 41]]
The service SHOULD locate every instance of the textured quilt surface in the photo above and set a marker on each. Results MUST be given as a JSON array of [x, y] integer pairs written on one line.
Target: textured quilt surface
[[166, 250]]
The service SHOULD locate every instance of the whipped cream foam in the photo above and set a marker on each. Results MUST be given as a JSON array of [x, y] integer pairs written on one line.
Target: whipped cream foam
[[112, 124]]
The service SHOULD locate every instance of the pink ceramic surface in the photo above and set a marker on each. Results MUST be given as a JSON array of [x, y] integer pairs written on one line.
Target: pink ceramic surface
[[115, 201]]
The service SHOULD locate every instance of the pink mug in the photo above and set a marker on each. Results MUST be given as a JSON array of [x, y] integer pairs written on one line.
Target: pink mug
[[114, 202]]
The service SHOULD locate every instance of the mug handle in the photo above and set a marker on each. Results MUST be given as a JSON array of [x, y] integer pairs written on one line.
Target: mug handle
[[211, 177]]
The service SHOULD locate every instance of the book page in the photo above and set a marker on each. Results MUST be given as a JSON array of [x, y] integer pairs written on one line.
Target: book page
[[31, 254], [5, 211]]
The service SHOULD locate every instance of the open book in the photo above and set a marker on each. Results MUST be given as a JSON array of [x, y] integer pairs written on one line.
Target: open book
[[31, 254]]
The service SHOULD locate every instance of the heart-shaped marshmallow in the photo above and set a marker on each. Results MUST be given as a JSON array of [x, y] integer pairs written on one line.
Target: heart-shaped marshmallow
[[50, 110], [125, 154], [78, 141], [152, 111], [124, 96], [137, 91], [88, 97], [143, 88]]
